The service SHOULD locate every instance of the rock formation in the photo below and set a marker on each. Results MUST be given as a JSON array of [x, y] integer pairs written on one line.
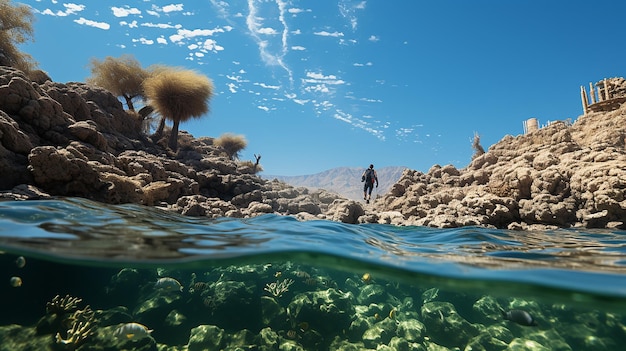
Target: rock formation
[[76, 140], [561, 175]]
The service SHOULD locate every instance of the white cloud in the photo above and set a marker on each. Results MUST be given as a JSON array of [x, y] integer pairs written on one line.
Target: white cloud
[[144, 41], [329, 34], [211, 45], [70, 9], [182, 34], [363, 64], [160, 25], [172, 8], [232, 87], [264, 108], [126, 11], [267, 31], [90, 23], [132, 24], [313, 77], [298, 48], [161, 40], [373, 38], [263, 85]]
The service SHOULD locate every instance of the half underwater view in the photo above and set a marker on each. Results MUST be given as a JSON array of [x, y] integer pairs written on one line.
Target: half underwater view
[[81, 275]]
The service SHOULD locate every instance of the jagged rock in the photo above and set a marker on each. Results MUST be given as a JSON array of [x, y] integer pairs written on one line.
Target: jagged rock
[[74, 139]]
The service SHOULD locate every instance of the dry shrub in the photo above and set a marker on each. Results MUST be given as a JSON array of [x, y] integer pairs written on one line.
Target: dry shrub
[[16, 27], [478, 149], [121, 76], [232, 144]]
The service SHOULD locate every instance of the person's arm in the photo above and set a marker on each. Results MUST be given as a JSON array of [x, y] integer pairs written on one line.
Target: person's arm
[[376, 177]]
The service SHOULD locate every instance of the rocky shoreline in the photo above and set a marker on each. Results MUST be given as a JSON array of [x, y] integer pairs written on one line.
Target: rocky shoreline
[[74, 139]]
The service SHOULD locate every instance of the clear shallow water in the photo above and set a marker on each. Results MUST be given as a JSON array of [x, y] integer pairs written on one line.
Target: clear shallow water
[[573, 281]]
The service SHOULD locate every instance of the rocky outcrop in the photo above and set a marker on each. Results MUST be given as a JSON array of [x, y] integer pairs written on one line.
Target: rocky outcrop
[[561, 175], [76, 140]]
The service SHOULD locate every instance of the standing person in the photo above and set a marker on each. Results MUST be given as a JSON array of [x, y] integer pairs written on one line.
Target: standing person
[[369, 177]]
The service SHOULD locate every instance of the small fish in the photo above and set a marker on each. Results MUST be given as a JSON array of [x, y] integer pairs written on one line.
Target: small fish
[[132, 331], [520, 317], [304, 326], [292, 334], [15, 282], [376, 316], [199, 286], [392, 313], [366, 278], [20, 262], [310, 281], [168, 284], [430, 295], [302, 274]]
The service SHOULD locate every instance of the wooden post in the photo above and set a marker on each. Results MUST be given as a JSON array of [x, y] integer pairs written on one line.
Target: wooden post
[[583, 96], [592, 92], [606, 89]]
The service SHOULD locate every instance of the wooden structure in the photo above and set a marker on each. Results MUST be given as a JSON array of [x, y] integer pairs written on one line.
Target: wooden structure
[[600, 98]]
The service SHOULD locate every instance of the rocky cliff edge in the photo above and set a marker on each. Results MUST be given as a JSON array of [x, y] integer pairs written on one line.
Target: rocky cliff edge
[[562, 175], [77, 140]]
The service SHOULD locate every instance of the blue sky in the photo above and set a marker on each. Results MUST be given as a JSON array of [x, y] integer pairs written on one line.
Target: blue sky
[[314, 85]]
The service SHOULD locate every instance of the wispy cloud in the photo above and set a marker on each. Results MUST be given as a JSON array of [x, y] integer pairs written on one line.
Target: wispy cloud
[[329, 34], [270, 55], [359, 123], [348, 9], [90, 23]]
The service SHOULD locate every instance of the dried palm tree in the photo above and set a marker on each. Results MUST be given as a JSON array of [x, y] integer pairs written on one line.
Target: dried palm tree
[[178, 95]]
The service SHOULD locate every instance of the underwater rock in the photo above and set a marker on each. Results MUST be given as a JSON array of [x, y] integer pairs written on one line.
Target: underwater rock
[[486, 310], [519, 344], [206, 338], [551, 339], [235, 304], [379, 333], [411, 330], [271, 312], [486, 342], [243, 339], [268, 339], [371, 293], [445, 326], [401, 344], [341, 344], [116, 315], [325, 310]]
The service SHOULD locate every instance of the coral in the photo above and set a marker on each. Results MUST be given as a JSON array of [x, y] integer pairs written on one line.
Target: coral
[[82, 327], [61, 305], [277, 289]]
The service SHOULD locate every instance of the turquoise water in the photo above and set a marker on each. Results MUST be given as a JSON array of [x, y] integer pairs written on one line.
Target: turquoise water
[[78, 272]]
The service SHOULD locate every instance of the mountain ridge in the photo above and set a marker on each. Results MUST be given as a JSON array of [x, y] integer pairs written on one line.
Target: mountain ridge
[[345, 181]]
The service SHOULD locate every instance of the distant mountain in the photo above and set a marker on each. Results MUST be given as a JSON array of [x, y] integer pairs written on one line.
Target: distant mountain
[[345, 181]]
